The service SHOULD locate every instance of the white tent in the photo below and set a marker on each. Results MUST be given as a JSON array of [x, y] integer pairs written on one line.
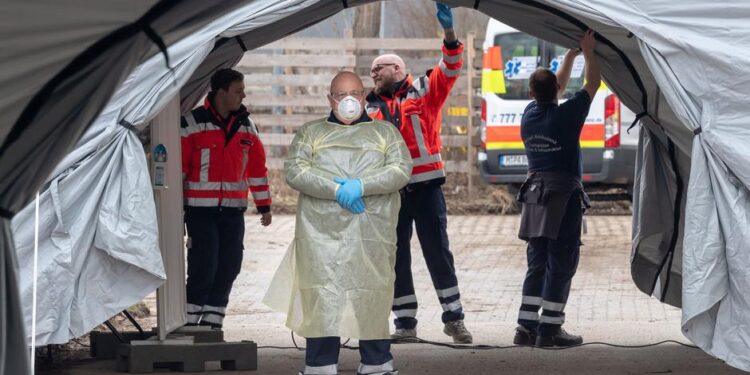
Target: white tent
[[76, 76]]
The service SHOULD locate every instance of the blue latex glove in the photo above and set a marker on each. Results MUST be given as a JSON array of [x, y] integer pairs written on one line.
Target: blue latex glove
[[358, 206], [444, 16], [349, 191]]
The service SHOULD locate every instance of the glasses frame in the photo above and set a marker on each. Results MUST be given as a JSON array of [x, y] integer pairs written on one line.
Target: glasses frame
[[377, 68]]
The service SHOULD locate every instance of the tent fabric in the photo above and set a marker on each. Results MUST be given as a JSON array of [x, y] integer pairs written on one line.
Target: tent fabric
[[106, 150], [88, 245], [14, 355], [73, 67]]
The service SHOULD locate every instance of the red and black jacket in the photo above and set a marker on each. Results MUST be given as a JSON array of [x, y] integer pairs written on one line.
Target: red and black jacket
[[415, 109], [222, 159]]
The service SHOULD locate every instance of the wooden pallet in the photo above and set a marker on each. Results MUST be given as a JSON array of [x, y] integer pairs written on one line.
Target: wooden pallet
[[146, 358], [104, 344]]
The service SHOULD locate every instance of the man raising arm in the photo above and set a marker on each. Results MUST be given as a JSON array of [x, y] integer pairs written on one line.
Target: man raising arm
[[552, 198], [414, 107]]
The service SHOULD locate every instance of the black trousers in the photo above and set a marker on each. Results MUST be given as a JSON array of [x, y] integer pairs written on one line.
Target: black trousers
[[214, 260], [551, 266], [425, 208]]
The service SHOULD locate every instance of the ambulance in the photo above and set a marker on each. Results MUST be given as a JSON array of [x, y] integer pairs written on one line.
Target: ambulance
[[608, 150]]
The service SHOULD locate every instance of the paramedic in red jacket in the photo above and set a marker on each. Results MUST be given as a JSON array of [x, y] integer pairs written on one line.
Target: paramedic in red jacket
[[414, 106], [222, 158]]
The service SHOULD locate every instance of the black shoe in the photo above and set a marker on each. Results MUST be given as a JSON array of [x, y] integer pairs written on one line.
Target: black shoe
[[524, 337], [562, 339]]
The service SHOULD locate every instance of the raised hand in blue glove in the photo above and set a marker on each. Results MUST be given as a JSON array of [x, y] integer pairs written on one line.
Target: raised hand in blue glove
[[444, 16], [349, 191]]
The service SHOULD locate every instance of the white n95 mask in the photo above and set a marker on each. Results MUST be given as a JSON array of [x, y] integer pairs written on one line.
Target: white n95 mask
[[349, 108]]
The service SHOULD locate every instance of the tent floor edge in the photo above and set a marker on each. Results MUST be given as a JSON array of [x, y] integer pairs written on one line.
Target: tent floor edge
[[147, 357]]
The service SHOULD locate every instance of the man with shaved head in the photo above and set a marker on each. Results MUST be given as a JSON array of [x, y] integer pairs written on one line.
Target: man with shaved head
[[414, 105], [337, 277]]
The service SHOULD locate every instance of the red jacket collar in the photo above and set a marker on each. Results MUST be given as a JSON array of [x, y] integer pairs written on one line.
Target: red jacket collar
[[405, 85], [209, 106], [400, 91]]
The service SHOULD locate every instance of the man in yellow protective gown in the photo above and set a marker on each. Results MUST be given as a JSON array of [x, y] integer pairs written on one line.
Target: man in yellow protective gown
[[336, 280]]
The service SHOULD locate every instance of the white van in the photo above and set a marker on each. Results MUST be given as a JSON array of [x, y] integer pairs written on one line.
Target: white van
[[510, 56]]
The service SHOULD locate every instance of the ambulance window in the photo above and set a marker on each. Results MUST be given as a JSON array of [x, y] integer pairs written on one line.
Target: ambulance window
[[520, 56], [575, 83]]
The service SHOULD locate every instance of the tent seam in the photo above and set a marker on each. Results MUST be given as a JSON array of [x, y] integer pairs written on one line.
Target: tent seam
[[85, 58]]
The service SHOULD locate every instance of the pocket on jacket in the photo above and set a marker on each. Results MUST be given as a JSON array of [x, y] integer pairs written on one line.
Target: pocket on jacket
[[532, 192]]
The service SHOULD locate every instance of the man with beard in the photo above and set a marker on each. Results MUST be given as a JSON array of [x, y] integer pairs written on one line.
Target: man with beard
[[414, 106]]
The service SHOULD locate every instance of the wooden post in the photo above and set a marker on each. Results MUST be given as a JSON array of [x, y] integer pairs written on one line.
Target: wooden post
[[470, 55], [288, 71]]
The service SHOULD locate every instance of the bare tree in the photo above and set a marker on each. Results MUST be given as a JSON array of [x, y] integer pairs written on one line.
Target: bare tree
[[367, 21], [416, 19]]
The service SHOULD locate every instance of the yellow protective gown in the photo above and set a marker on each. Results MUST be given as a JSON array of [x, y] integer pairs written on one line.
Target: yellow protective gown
[[337, 276]]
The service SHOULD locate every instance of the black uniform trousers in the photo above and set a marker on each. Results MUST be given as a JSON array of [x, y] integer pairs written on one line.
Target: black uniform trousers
[[214, 260], [322, 356], [551, 266], [425, 208]]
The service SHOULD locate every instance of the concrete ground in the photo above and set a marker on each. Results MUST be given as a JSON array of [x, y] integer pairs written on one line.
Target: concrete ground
[[604, 306]]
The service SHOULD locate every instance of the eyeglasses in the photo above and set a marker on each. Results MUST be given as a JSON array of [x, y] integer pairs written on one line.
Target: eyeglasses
[[377, 68], [343, 94]]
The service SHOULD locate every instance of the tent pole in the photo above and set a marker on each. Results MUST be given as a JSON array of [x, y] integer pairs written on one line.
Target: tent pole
[[33, 283], [166, 175], [134, 323], [114, 331]]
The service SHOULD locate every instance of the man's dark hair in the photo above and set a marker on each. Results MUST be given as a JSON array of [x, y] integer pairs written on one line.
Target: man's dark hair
[[543, 84], [223, 78]]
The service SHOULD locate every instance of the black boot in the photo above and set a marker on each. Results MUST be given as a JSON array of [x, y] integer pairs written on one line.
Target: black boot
[[561, 338], [524, 337]]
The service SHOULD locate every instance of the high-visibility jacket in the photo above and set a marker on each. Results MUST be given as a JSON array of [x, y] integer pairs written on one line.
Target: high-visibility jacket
[[221, 160], [415, 109]]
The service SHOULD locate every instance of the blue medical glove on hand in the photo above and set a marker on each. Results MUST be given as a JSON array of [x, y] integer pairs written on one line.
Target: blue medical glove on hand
[[444, 16], [349, 191], [358, 206]]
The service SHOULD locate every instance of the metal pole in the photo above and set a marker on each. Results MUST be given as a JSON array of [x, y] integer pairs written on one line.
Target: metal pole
[[33, 283], [134, 323], [114, 331]]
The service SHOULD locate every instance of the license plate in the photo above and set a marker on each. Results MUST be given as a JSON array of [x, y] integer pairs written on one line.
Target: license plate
[[513, 161]]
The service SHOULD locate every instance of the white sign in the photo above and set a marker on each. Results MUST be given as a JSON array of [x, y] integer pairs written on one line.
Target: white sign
[[520, 67], [578, 64]]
